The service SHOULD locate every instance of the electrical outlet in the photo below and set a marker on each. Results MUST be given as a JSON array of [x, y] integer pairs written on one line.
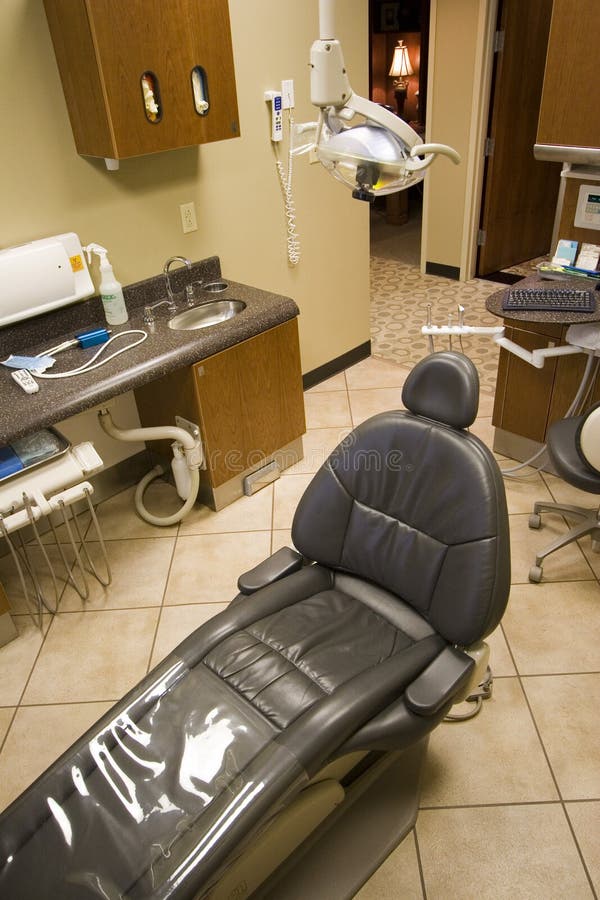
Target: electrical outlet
[[188, 217]]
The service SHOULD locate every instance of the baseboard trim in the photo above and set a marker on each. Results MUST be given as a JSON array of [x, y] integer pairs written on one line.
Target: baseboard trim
[[322, 373], [432, 268]]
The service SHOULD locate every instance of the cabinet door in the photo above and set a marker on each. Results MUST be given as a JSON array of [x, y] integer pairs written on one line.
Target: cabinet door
[[251, 401], [571, 92], [115, 50], [524, 393]]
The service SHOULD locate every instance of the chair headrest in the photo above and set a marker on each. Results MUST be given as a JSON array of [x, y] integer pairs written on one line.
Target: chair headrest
[[443, 386]]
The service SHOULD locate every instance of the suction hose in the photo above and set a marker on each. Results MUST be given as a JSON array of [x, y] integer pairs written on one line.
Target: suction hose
[[193, 454]]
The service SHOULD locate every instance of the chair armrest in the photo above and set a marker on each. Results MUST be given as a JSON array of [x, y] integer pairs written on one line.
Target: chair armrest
[[282, 563], [439, 682]]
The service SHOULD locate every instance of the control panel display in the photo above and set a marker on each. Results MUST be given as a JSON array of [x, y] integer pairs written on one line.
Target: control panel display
[[587, 214]]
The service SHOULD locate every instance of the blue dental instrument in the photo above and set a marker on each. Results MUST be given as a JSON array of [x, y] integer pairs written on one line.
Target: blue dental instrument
[[84, 339]]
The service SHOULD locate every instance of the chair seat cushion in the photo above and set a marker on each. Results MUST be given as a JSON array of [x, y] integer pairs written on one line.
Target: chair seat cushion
[[289, 660], [563, 452]]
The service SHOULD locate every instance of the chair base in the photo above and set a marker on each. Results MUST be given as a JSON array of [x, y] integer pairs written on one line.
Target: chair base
[[589, 523], [379, 810], [347, 840]]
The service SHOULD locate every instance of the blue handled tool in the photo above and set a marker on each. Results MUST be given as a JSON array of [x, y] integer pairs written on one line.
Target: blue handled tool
[[85, 339]]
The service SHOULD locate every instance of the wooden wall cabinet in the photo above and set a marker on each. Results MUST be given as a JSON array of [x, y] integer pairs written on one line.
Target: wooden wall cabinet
[[529, 400], [135, 73], [248, 401], [571, 92]]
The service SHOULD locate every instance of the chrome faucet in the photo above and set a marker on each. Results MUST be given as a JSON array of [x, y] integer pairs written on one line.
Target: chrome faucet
[[172, 259], [149, 310]]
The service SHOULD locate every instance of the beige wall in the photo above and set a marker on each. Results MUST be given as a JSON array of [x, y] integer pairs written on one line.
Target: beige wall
[[458, 91], [47, 188]]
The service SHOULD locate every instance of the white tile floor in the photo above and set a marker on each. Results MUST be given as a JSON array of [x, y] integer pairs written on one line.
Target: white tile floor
[[511, 800]]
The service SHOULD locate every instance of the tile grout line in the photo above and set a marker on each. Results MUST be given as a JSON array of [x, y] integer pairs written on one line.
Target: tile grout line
[[419, 860], [164, 594], [561, 800]]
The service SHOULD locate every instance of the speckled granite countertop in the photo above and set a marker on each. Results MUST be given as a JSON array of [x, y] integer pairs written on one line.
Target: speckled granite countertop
[[164, 350], [494, 303]]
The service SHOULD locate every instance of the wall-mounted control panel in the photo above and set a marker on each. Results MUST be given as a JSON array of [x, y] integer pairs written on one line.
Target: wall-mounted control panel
[[587, 214]]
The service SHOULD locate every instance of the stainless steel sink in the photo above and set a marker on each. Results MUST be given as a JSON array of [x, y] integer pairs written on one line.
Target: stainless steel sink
[[206, 314]]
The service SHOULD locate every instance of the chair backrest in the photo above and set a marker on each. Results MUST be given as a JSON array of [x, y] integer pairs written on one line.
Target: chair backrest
[[588, 437], [413, 502]]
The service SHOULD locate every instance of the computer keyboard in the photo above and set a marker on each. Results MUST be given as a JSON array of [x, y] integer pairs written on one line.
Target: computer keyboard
[[549, 300]]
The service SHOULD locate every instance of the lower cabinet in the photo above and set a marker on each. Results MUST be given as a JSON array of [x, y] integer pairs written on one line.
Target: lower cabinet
[[248, 402], [529, 400]]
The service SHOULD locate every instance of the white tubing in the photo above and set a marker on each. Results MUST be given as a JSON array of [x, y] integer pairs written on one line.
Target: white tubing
[[163, 521], [157, 433]]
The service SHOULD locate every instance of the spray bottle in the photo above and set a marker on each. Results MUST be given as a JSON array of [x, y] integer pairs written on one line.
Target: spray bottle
[[111, 292]]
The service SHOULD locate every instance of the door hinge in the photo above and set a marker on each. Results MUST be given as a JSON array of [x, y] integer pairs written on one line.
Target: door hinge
[[481, 237], [498, 41], [488, 149]]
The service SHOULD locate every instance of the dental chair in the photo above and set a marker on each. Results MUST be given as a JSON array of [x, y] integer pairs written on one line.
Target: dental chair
[[277, 750], [573, 446]]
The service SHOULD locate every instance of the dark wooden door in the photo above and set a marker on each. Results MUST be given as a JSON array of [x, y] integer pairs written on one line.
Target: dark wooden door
[[520, 192]]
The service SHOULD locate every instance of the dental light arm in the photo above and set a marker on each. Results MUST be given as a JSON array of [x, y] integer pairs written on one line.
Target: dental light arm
[[380, 156]]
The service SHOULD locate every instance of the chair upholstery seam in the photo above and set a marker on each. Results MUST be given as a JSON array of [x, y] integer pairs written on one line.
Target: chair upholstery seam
[[307, 675]]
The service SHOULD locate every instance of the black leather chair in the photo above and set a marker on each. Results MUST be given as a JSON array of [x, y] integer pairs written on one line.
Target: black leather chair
[[278, 748], [573, 446]]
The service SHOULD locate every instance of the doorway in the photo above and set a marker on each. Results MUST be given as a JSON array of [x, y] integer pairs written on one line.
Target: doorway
[[520, 193], [396, 220]]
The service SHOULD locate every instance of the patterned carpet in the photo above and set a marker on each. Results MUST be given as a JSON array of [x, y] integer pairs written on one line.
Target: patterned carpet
[[399, 298]]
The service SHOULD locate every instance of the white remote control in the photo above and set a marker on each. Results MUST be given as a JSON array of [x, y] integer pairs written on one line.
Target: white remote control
[[276, 101], [25, 380]]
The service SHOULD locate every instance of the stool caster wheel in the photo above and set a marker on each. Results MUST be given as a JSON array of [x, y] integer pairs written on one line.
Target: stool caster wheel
[[535, 520], [535, 574]]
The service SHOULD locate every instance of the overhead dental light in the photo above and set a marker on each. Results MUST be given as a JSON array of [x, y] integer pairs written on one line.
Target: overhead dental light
[[379, 155]]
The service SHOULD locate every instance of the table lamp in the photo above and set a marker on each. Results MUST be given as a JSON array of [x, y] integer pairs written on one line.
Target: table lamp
[[399, 69]]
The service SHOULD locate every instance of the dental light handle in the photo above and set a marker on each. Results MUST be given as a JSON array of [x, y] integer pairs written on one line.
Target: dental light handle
[[414, 164]]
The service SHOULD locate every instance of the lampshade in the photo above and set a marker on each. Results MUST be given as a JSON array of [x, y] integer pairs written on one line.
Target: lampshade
[[401, 66]]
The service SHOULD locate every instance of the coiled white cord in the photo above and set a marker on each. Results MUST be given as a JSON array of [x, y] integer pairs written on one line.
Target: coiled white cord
[[293, 240], [91, 363]]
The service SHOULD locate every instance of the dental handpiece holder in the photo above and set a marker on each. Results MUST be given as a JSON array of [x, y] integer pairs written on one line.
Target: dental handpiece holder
[[40, 475]]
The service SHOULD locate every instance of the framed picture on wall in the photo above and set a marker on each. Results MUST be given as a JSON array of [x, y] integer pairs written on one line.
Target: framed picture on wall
[[401, 15], [389, 17]]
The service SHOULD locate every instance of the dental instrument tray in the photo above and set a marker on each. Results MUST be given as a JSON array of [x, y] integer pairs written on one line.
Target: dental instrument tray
[[31, 451], [549, 300]]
